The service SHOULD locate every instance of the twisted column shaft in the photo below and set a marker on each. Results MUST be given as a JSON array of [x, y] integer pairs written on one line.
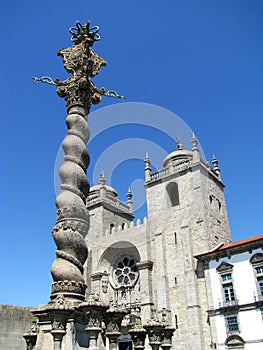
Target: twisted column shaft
[[73, 220]]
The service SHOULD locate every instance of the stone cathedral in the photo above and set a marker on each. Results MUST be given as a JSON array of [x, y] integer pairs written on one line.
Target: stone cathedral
[[119, 284], [151, 264]]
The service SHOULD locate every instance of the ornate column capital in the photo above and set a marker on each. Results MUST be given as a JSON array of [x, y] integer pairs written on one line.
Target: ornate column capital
[[154, 331], [83, 63]]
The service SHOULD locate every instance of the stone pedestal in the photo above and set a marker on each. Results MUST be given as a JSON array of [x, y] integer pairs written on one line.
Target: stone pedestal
[[167, 334], [154, 331], [95, 312], [113, 320], [138, 337], [31, 337]]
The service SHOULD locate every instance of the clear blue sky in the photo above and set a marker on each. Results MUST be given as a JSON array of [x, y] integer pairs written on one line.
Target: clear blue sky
[[199, 59]]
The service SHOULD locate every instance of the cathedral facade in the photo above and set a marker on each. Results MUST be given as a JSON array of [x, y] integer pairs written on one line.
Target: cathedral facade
[[151, 265]]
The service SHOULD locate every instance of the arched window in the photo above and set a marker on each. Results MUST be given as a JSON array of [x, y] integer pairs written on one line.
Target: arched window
[[173, 193], [111, 227]]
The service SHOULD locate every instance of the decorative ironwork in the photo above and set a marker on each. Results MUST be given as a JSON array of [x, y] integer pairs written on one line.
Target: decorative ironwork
[[45, 79], [80, 31], [112, 93]]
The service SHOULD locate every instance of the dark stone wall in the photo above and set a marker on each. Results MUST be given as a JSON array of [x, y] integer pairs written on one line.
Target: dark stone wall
[[14, 322]]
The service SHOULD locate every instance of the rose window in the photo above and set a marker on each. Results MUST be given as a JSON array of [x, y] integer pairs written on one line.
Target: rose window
[[126, 272]]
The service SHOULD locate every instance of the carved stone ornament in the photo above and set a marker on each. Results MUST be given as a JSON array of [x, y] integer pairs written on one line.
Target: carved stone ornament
[[224, 267], [138, 333], [83, 63], [138, 337], [113, 320], [94, 310], [31, 337], [256, 259], [167, 335], [154, 331]]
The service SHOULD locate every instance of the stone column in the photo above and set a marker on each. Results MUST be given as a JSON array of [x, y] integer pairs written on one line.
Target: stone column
[[145, 269], [73, 219], [113, 320], [72, 224], [59, 319], [138, 333]]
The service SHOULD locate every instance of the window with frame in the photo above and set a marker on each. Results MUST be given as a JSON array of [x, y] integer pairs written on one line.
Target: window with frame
[[260, 284], [229, 294], [257, 263], [232, 324], [225, 271]]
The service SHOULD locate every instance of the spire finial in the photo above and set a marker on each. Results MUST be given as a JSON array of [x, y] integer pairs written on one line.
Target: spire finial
[[102, 179], [216, 168], [194, 142], [147, 162], [180, 145], [147, 168], [129, 199], [129, 195]]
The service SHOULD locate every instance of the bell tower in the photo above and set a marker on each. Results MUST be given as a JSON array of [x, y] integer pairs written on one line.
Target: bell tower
[[188, 192], [186, 216]]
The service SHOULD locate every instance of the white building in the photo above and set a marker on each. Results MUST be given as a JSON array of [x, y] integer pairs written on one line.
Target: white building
[[234, 283]]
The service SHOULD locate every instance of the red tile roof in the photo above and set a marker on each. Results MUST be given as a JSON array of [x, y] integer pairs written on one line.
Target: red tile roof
[[238, 243], [221, 247]]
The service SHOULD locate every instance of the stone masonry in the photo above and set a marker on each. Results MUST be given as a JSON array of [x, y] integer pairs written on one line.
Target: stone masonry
[[186, 216]]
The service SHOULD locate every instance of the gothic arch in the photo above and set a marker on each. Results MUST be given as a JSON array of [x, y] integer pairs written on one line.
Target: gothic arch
[[173, 194]]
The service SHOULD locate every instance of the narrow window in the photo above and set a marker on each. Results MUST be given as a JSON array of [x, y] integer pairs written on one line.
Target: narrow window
[[173, 193], [111, 228], [175, 238], [176, 321]]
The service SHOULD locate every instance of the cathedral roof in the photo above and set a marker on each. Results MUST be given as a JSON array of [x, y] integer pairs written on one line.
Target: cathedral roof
[[102, 184], [108, 189], [180, 155]]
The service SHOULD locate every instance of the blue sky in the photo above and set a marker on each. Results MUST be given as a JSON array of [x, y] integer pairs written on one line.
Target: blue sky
[[201, 60]]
